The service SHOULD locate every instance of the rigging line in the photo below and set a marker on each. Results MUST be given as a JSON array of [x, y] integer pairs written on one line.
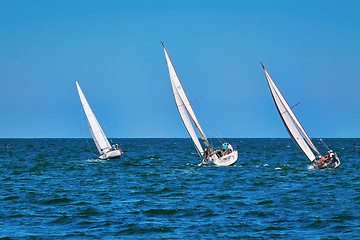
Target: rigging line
[[291, 108], [194, 100], [218, 137], [324, 144], [104, 127], [308, 125], [300, 128], [317, 135], [295, 105]]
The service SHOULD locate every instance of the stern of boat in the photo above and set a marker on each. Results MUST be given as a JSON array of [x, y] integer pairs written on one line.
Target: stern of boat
[[111, 154], [227, 160], [336, 161]]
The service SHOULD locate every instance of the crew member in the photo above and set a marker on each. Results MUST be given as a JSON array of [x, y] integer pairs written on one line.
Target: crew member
[[229, 148], [224, 146], [206, 155]]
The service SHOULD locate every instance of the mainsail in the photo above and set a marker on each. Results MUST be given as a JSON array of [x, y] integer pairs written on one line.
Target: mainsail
[[97, 133], [186, 111], [292, 124]]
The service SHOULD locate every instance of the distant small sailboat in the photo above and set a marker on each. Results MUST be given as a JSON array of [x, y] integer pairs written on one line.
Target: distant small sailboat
[[297, 132], [105, 149], [220, 157]]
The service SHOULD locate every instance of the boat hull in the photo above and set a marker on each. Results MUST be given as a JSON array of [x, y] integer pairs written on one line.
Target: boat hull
[[110, 154], [334, 163], [226, 160]]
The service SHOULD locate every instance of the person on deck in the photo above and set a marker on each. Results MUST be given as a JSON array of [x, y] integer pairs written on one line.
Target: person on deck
[[113, 147], [324, 161], [224, 147], [206, 155], [329, 157], [321, 161]]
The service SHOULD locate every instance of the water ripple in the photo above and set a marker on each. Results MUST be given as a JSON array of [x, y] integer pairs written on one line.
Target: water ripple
[[156, 190]]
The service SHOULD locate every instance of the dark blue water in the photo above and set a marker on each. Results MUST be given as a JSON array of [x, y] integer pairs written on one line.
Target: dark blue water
[[56, 189]]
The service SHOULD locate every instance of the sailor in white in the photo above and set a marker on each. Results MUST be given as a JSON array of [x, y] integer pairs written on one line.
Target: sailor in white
[[230, 148]]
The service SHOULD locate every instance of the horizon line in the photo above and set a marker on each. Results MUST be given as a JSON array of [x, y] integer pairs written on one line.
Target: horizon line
[[159, 137]]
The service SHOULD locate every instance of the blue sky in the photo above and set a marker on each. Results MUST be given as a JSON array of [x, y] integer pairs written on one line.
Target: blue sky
[[310, 48]]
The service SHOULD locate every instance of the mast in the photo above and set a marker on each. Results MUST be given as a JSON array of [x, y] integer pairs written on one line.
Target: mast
[[184, 107], [97, 133], [292, 124]]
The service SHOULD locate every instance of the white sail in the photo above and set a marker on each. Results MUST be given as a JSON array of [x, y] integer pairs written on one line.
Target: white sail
[[184, 107], [186, 120], [292, 124], [97, 133]]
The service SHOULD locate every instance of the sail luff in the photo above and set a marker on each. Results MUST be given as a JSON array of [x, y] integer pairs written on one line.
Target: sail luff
[[97, 133], [293, 117], [178, 89], [187, 122], [289, 119]]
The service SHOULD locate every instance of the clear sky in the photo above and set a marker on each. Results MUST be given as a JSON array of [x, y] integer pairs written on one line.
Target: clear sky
[[310, 48]]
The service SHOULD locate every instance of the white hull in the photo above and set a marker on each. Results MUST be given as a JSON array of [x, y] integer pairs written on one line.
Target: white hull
[[110, 154], [190, 121], [337, 163], [227, 160], [296, 130]]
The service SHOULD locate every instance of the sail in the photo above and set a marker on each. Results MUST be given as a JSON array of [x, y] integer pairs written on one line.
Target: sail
[[186, 120], [184, 107], [97, 133], [292, 124]]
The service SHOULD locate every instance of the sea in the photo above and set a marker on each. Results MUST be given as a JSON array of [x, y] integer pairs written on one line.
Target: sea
[[58, 189]]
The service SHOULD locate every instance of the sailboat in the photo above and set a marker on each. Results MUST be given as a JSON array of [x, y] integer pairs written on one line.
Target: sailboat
[[106, 151], [297, 132], [219, 157]]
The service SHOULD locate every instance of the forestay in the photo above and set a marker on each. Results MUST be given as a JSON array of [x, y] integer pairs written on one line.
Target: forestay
[[97, 133], [292, 124], [186, 111]]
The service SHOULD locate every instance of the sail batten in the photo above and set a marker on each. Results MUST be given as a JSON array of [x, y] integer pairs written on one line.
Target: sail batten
[[185, 109], [292, 124], [101, 142]]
